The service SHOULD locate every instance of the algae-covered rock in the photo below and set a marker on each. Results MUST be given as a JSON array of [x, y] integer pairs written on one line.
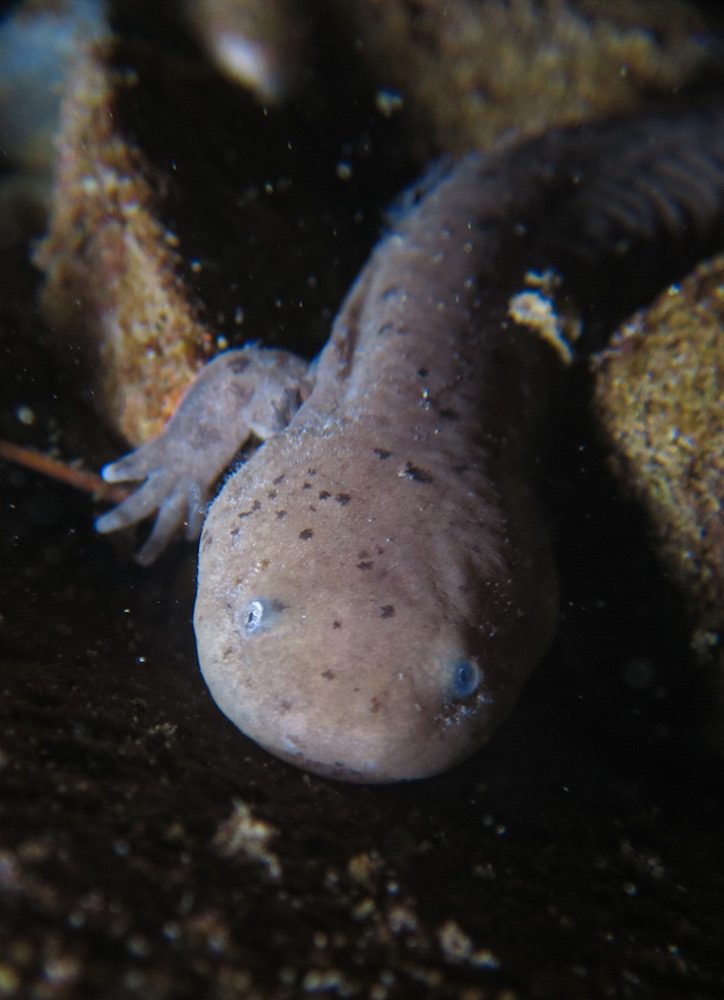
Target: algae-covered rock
[[473, 72], [659, 397], [466, 73], [113, 293], [38, 44]]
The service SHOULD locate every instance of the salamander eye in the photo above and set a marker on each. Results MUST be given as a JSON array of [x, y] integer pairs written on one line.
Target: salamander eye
[[466, 678], [252, 617], [255, 615]]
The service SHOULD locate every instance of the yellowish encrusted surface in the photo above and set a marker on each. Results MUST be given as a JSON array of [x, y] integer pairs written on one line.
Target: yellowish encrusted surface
[[660, 401], [112, 291], [475, 71]]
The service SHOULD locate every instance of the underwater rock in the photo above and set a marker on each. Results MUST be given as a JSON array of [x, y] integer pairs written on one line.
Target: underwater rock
[[659, 399], [113, 292], [469, 73], [37, 44], [258, 43]]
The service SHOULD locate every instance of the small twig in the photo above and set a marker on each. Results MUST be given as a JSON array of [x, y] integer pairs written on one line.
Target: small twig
[[80, 478]]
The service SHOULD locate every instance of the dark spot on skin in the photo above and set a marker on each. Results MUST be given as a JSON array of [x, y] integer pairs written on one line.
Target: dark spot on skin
[[312, 472], [382, 452], [328, 675], [280, 514], [324, 495], [449, 414], [364, 554], [414, 472], [375, 705], [286, 706], [390, 291], [387, 611], [312, 508], [343, 498], [279, 479], [365, 565], [306, 486], [306, 534], [423, 372], [278, 605], [336, 624], [272, 494], [227, 653], [385, 328], [254, 507]]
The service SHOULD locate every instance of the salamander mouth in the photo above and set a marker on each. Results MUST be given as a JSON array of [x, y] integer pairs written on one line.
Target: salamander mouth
[[337, 770], [374, 762]]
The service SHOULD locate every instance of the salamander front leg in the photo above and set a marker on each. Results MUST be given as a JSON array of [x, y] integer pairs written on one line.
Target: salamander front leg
[[240, 393]]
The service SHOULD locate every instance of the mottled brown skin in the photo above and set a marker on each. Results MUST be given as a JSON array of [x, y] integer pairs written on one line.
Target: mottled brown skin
[[375, 583], [393, 526], [378, 587]]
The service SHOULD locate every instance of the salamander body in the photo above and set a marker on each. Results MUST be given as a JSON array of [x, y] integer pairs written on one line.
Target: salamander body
[[376, 583]]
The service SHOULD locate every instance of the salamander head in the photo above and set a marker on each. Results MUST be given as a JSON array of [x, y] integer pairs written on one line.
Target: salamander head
[[345, 631]]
